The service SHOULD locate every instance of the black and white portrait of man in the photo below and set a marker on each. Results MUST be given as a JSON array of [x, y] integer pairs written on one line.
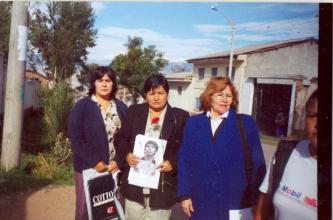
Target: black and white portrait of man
[[147, 164]]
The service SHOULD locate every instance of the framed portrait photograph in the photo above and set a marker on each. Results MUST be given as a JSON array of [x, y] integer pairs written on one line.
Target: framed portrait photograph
[[150, 152]]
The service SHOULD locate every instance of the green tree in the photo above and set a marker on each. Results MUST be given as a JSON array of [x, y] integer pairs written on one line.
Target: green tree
[[137, 64], [5, 13], [84, 75], [62, 35]]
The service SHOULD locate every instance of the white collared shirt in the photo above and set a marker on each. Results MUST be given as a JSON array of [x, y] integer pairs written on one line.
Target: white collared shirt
[[215, 122]]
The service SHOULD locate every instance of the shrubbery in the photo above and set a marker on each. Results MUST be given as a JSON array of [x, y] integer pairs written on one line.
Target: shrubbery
[[55, 164], [56, 104]]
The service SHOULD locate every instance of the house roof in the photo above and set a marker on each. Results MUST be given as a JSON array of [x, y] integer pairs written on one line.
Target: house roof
[[179, 77], [34, 74], [253, 49]]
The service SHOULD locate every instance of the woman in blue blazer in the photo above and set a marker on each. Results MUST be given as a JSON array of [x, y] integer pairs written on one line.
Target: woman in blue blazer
[[212, 180]]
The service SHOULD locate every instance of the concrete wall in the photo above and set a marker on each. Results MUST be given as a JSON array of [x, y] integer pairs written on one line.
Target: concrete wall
[[288, 62], [32, 94], [185, 100], [221, 68]]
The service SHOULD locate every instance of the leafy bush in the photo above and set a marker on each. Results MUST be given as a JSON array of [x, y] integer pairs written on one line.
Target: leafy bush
[[62, 150], [55, 164], [56, 103]]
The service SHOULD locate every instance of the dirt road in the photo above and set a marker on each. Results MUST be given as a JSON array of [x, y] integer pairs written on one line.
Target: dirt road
[[51, 202], [58, 202]]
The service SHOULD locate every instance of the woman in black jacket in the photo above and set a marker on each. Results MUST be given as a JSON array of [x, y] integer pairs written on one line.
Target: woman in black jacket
[[157, 119]]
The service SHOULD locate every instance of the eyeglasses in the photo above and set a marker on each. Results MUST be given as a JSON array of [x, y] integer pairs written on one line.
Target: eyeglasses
[[222, 96]]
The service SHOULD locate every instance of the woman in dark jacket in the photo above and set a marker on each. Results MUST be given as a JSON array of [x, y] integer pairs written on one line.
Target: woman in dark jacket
[[93, 122], [157, 119]]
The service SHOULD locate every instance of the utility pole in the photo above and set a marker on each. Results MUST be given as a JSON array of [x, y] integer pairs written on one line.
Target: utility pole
[[233, 27], [13, 111]]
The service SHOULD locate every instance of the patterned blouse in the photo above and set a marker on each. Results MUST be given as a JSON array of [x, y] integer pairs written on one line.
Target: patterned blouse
[[112, 123]]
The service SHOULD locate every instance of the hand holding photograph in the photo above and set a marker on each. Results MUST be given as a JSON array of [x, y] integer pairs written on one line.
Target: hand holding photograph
[[150, 151]]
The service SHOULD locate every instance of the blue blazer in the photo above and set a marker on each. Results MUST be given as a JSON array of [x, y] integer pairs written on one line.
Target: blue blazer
[[88, 134], [211, 170]]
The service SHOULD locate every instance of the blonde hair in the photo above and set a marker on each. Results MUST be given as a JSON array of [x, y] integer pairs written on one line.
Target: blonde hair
[[217, 84]]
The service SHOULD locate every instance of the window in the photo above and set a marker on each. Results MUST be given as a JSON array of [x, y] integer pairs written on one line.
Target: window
[[197, 103], [232, 73], [179, 90], [201, 73], [214, 71]]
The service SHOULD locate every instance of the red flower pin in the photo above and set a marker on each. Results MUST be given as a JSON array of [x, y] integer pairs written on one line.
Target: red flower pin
[[155, 120]]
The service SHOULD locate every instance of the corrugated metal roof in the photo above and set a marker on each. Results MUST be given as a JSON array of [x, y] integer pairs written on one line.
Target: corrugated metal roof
[[253, 49]]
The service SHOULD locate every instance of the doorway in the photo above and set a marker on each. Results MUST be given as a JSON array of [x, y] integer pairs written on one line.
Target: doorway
[[271, 102]]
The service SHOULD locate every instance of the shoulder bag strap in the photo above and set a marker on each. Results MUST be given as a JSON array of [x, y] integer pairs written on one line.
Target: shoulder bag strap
[[281, 157], [246, 150]]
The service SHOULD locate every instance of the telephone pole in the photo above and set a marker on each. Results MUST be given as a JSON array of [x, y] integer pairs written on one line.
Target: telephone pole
[[232, 27], [13, 111]]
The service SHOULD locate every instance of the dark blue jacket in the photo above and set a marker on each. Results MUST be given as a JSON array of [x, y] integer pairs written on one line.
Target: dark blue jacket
[[211, 170], [88, 134]]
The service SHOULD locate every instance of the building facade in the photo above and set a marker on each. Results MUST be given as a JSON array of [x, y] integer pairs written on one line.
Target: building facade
[[270, 78]]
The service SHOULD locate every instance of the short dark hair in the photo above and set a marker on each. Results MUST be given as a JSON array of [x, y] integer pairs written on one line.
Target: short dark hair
[[98, 73], [152, 143], [312, 98], [155, 80]]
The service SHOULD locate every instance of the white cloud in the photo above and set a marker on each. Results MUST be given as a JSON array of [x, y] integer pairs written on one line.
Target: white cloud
[[215, 38], [264, 31], [111, 42], [209, 28], [98, 7]]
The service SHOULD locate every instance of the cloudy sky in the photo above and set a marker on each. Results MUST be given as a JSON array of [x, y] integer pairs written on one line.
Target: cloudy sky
[[183, 30]]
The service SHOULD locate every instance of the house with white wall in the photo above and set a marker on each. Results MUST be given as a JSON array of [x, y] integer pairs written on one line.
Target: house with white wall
[[268, 77], [182, 91]]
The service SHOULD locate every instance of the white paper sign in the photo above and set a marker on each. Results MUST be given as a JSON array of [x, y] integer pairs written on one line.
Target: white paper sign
[[241, 214], [22, 42], [150, 151]]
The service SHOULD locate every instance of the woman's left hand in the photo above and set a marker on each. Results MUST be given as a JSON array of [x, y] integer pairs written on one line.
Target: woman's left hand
[[113, 167], [165, 166]]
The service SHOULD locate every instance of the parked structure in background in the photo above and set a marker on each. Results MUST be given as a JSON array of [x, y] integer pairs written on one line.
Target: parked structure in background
[[269, 76], [182, 90], [33, 81], [124, 95]]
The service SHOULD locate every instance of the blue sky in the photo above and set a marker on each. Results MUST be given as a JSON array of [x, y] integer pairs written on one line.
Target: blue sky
[[184, 30]]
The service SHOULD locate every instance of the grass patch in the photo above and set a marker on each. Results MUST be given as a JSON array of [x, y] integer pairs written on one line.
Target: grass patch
[[17, 179], [29, 175]]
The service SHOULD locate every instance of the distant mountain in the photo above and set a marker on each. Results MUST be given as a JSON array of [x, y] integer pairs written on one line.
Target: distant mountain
[[174, 67]]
